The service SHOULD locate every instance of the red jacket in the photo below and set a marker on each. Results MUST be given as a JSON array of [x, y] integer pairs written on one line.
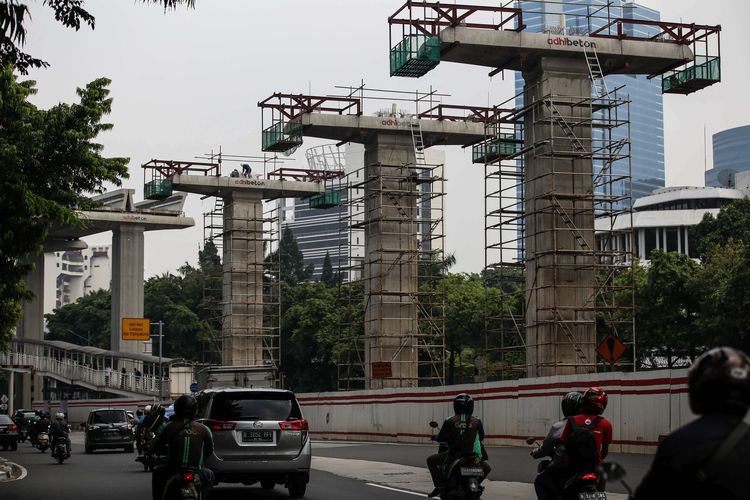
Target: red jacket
[[602, 433]]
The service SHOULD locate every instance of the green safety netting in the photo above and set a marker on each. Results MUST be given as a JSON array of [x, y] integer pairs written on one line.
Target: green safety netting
[[706, 71], [157, 189], [415, 55], [490, 150], [328, 199], [282, 136]]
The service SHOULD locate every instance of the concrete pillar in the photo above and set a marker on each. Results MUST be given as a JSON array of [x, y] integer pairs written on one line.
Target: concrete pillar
[[559, 238], [390, 272], [127, 283], [242, 317], [31, 325]]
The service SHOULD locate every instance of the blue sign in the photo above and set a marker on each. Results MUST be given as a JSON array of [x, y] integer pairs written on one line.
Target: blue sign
[[193, 387]]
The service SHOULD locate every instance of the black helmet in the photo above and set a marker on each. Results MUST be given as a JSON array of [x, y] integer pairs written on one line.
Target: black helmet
[[463, 404], [186, 406], [719, 382], [138, 412], [571, 403]]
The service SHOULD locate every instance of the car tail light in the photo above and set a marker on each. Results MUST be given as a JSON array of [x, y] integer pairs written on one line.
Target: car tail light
[[294, 425], [188, 476], [12, 428], [219, 425], [590, 477]]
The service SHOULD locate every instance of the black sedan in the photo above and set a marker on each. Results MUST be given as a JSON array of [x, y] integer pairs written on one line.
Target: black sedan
[[8, 433]]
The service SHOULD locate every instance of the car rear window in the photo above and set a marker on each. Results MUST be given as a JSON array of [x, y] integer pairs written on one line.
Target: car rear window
[[29, 414], [255, 406], [5, 419], [109, 417]]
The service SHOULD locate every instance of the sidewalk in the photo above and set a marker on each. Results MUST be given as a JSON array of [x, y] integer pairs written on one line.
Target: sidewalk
[[10, 471]]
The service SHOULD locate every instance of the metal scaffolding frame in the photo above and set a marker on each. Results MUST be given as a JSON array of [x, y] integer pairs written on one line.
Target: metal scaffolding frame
[[400, 208], [507, 208]]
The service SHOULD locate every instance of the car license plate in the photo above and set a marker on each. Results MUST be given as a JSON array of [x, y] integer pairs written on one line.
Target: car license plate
[[472, 471], [257, 436], [599, 495]]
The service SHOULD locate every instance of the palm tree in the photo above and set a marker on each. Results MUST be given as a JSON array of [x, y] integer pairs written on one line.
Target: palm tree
[[15, 13]]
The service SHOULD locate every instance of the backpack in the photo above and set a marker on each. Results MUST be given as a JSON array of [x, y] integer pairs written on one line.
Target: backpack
[[581, 446]]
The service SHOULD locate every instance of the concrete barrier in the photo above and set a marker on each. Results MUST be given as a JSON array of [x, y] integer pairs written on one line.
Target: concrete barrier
[[642, 407], [78, 409]]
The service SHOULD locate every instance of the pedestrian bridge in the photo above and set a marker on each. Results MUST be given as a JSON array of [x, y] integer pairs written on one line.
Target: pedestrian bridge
[[90, 367]]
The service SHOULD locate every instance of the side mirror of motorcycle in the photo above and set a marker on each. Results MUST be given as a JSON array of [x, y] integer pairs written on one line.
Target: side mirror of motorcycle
[[530, 440], [434, 424], [612, 471]]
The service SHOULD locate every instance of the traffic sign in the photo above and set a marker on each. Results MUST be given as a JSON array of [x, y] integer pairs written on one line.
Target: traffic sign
[[3, 399], [136, 329], [611, 349], [4, 407], [381, 369], [194, 387]]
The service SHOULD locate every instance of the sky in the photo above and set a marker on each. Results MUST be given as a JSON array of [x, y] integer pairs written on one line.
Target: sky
[[187, 82]]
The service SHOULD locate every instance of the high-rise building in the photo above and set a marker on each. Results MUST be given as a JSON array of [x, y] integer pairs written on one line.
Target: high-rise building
[[71, 274], [579, 17], [731, 155]]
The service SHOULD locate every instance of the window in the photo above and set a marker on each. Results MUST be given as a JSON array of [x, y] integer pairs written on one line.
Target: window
[[672, 239], [255, 406], [650, 240]]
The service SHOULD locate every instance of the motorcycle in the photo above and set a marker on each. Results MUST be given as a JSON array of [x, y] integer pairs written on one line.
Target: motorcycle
[[148, 460], [581, 485], [612, 471], [23, 433], [60, 450], [464, 476], [185, 485], [42, 441]]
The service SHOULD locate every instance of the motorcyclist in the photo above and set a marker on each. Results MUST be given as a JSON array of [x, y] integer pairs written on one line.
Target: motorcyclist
[[60, 429], [154, 419], [683, 468], [187, 443], [547, 483], [593, 404], [463, 434], [33, 427], [139, 417], [41, 424]]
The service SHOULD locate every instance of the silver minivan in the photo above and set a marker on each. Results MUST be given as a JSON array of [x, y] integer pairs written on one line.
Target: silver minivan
[[259, 435]]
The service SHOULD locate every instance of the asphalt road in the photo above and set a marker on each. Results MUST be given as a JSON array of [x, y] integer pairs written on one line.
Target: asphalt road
[[115, 475]]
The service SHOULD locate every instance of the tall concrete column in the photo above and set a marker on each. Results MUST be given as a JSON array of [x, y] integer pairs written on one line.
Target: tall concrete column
[[31, 325], [559, 238], [127, 283], [242, 317], [390, 272]]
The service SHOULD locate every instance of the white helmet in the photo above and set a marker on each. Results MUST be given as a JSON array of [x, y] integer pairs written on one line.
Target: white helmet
[[60, 415], [147, 409]]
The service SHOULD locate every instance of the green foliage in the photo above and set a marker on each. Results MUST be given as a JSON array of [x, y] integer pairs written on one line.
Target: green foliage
[[87, 320], [50, 162], [291, 264], [732, 223], [667, 310], [326, 276], [70, 13]]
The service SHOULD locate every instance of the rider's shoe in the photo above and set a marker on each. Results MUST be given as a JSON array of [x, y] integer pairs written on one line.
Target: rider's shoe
[[436, 492]]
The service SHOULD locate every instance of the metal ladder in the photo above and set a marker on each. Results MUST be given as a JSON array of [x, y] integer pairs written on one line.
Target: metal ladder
[[418, 142], [558, 118], [598, 83], [571, 225], [571, 337]]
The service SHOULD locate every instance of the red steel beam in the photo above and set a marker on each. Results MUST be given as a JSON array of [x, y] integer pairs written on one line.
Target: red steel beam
[[306, 174], [294, 105], [168, 168], [451, 15], [465, 113], [680, 33]]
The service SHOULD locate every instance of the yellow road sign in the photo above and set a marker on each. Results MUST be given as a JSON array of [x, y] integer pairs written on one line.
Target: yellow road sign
[[136, 329]]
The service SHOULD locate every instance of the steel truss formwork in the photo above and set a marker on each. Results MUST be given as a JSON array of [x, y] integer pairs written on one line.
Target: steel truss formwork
[[554, 204], [398, 202]]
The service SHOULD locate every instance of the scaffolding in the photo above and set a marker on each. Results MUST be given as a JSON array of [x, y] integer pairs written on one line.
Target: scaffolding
[[516, 217], [401, 200]]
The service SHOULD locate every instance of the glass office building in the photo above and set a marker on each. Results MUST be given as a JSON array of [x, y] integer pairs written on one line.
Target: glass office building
[[578, 17], [731, 155]]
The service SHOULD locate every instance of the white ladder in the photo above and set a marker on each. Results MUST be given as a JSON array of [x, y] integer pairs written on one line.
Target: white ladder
[[598, 83], [418, 143]]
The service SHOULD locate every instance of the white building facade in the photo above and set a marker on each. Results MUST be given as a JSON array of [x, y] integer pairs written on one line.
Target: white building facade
[[70, 275]]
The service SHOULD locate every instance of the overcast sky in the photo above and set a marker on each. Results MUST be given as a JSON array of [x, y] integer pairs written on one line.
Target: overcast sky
[[187, 82]]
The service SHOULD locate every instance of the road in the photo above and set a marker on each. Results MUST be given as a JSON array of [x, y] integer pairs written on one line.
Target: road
[[364, 471]]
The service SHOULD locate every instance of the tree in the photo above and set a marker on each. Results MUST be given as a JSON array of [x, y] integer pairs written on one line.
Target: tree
[[70, 13], [326, 276], [86, 318], [292, 267], [731, 223], [667, 311], [50, 162]]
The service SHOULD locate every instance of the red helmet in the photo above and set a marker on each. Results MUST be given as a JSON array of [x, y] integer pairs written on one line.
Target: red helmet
[[594, 401], [719, 382]]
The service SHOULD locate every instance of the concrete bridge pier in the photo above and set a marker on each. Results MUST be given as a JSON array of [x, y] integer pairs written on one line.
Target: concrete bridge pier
[[390, 273], [559, 238], [127, 283]]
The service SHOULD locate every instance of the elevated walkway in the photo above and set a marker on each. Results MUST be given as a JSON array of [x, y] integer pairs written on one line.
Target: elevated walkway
[[85, 366]]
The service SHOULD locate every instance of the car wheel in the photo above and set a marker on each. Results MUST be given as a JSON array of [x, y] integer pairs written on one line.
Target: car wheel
[[129, 449], [296, 487], [267, 484], [89, 450], [13, 446]]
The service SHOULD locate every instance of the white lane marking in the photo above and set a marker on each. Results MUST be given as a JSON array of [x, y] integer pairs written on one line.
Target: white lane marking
[[396, 489], [24, 472]]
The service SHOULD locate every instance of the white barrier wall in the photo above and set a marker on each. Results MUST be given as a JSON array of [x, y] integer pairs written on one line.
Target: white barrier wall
[[642, 407], [78, 409]]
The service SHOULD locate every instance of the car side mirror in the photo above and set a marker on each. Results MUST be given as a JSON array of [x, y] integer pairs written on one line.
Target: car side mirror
[[434, 424]]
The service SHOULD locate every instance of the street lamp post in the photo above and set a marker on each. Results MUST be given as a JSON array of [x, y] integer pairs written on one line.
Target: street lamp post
[[161, 368]]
